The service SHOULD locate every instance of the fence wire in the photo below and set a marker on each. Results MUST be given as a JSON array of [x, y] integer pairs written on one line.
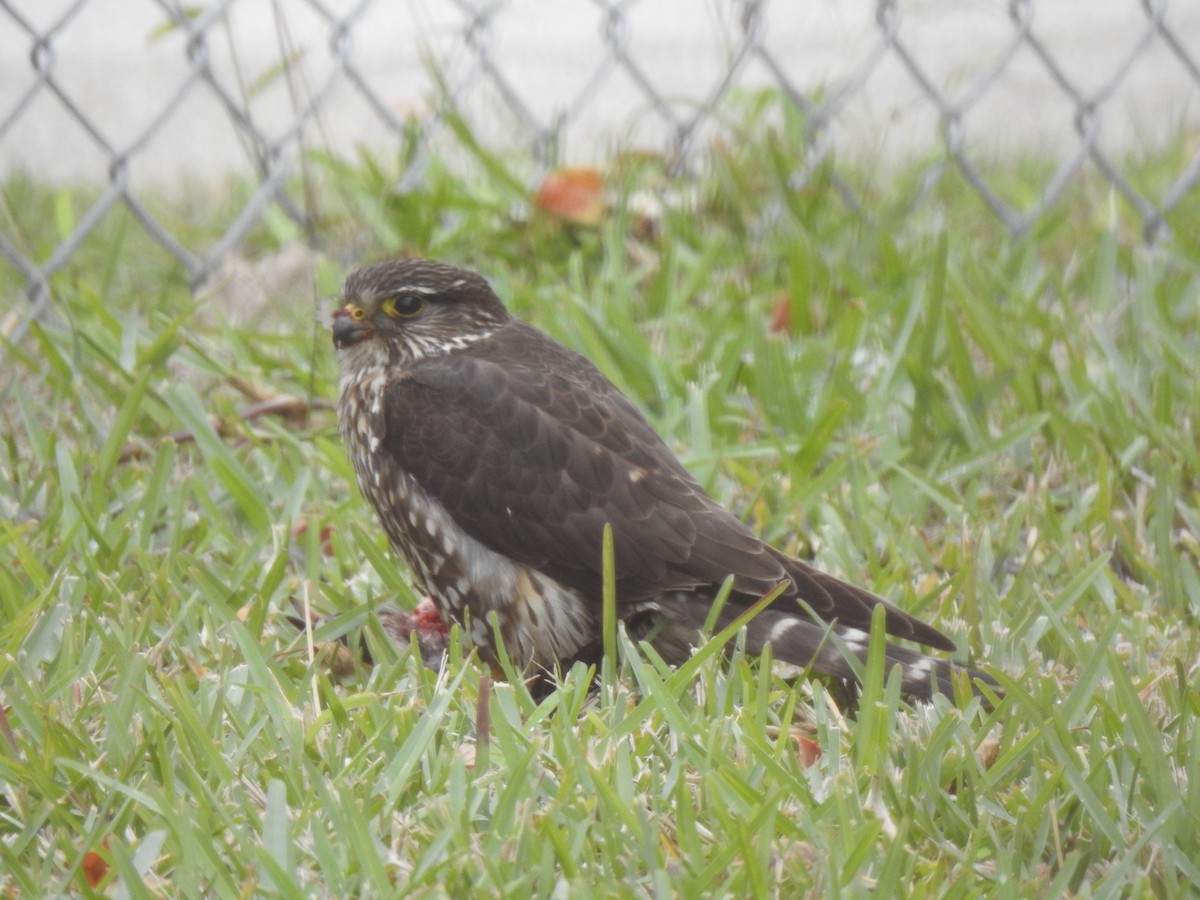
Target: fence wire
[[560, 80]]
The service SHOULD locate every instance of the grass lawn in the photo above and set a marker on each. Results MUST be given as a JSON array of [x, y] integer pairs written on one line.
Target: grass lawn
[[1002, 435]]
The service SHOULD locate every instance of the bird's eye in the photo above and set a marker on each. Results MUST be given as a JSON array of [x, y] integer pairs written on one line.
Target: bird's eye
[[403, 307]]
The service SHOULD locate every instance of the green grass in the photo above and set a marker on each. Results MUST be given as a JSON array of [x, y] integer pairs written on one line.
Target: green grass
[[1001, 435]]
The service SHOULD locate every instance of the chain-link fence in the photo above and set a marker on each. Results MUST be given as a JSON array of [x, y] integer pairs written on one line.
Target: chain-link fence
[[139, 97]]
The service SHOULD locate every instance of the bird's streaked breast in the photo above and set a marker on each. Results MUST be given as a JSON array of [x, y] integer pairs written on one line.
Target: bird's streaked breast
[[542, 621]]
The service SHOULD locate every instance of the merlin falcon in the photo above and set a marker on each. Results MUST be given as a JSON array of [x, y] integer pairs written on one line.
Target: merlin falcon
[[495, 456]]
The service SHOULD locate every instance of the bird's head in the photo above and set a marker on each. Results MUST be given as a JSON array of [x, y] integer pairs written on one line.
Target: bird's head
[[414, 308]]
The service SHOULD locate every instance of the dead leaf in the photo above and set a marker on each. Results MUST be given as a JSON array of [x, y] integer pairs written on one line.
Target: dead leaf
[[301, 527], [573, 194], [987, 752], [808, 750], [781, 315], [339, 660], [483, 712], [94, 866]]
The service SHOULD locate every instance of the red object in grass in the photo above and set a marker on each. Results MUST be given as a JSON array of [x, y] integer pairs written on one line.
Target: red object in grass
[[781, 315], [325, 536], [574, 194], [432, 635], [94, 866], [808, 750]]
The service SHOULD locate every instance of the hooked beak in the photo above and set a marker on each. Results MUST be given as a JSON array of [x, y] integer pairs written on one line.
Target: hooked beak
[[349, 326]]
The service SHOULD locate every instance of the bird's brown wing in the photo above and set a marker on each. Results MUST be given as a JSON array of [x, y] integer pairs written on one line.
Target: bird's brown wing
[[532, 450]]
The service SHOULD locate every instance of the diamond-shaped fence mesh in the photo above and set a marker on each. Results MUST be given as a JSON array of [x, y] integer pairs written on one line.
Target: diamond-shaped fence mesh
[[140, 96]]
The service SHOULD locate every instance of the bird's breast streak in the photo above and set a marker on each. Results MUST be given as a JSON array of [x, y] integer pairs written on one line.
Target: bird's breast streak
[[542, 621]]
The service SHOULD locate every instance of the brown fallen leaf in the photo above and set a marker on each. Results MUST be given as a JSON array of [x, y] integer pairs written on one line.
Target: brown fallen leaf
[[338, 659], [468, 754], [94, 865], [483, 712], [987, 752], [807, 750], [301, 528], [781, 315], [573, 194]]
